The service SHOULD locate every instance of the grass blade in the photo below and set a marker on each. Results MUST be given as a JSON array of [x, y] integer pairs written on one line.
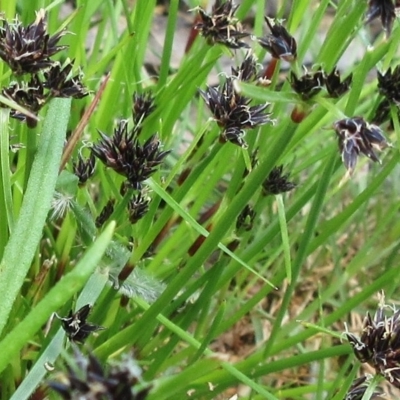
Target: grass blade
[[23, 242]]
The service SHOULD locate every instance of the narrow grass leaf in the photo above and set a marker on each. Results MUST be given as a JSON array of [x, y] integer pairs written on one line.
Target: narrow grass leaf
[[23, 242], [285, 237], [6, 203], [195, 225], [55, 298]]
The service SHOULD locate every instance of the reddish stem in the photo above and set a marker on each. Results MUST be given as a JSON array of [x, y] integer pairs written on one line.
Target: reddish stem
[[193, 34], [270, 69]]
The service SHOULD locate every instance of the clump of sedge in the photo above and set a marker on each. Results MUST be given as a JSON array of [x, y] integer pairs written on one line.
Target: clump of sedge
[[311, 83], [306, 86], [61, 82], [29, 95], [33, 95], [247, 70]]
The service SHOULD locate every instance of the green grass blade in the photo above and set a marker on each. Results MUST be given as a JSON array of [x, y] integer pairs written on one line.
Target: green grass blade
[[6, 204], [285, 237], [23, 242], [55, 299]]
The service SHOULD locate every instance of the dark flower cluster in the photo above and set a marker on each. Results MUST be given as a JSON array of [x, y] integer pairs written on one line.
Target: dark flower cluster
[[389, 88], [335, 86], [389, 85], [356, 136], [75, 325], [358, 389], [384, 10], [246, 218], [247, 70], [311, 83], [280, 44], [61, 82], [138, 207], [84, 168], [379, 344], [105, 213], [277, 182], [123, 153], [308, 85], [29, 95], [33, 95], [221, 26], [85, 378], [231, 110], [143, 106], [27, 50]]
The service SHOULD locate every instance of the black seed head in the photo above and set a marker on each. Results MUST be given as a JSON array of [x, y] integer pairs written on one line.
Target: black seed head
[[308, 85], [62, 83], [234, 135], [221, 26], [138, 207], [384, 10], [247, 71], [246, 218], [105, 213], [84, 169], [29, 95], [124, 154], [358, 389], [233, 112], [356, 136], [143, 106], [389, 85], [280, 44], [334, 86], [277, 182], [379, 344], [86, 378], [28, 49], [76, 327]]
